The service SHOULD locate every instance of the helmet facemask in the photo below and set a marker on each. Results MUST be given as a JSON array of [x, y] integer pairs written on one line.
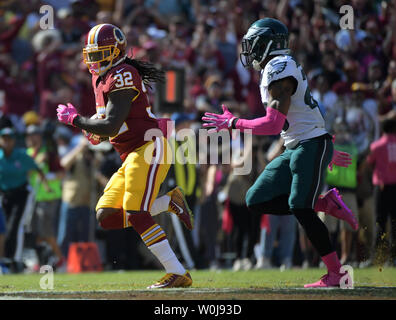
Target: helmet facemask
[[246, 56], [258, 44], [100, 59]]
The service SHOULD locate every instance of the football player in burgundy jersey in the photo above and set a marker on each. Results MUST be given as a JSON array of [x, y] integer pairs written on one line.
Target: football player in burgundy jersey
[[123, 116]]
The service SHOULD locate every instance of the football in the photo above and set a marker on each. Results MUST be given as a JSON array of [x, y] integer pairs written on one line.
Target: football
[[93, 138]]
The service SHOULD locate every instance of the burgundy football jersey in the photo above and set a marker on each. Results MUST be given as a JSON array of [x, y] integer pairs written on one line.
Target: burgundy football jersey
[[140, 118]]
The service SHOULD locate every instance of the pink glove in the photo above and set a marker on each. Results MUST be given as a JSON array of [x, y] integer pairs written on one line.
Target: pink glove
[[92, 138], [340, 158], [66, 114], [218, 121]]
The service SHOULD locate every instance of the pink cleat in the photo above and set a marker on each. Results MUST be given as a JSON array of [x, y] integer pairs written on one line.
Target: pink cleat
[[332, 204], [327, 281]]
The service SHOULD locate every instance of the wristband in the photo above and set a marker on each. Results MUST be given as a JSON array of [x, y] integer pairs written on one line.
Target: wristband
[[234, 122]]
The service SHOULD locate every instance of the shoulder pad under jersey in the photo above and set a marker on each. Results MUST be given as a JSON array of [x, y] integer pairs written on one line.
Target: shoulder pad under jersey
[[278, 68]]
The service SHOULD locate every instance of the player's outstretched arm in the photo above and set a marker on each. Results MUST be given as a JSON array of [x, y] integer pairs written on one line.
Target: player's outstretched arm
[[117, 110], [280, 92], [272, 124]]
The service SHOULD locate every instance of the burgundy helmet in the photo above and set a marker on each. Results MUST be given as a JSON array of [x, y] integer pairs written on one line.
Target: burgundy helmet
[[105, 47]]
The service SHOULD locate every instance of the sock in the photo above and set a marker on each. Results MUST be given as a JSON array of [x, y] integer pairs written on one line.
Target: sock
[[332, 262], [167, 257], [159, 205], [155, 239], [148, 229], [315, 230]]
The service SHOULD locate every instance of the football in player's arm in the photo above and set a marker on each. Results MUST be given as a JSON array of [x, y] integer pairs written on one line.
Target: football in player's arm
[[117, 109]]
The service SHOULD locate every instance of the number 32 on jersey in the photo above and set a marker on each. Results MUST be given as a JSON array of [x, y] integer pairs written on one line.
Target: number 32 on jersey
[[125, 80]]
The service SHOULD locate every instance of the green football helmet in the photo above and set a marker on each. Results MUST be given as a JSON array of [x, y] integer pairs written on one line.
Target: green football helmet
[[265, 37]]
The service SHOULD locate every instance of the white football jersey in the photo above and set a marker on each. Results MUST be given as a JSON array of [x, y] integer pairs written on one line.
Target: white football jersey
[[304, 117]]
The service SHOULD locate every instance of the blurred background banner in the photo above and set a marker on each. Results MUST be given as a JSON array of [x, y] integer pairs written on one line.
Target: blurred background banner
[[169, 96]]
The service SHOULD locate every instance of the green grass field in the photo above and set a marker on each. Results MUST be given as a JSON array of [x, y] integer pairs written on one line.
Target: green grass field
[[371, 283]]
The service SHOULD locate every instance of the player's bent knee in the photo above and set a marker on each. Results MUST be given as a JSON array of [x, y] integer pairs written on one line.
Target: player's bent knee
[[253, 197], [103, 213], [251, 202], [110, 218], [277, 205]]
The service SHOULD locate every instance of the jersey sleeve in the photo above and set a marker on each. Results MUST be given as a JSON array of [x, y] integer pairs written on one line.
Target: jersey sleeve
[[123, 77], [279, 68]]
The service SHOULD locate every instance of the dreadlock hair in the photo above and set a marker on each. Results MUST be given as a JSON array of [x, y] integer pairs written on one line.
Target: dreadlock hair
[[147, 71]]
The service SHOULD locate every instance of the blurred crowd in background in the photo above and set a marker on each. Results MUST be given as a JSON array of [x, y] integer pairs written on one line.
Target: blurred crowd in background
[[352, 75]]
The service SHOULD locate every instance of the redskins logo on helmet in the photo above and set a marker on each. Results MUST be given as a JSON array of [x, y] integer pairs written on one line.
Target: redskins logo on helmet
[[105, 47]]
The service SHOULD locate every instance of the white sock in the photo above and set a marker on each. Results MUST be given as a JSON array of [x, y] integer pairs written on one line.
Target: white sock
[[167, 257], [159, 205]]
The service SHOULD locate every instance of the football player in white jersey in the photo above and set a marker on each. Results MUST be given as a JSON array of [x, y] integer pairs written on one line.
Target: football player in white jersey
[[292, 182]]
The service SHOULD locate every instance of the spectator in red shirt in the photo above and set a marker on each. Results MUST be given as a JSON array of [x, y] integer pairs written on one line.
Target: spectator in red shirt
[[9, 31], [83, 91], [17, 91], [351, 71], [47, 45], [71, 33], [382, 158], [58, 91], [202, 53], [368, 52], [387, 92], [246, 89]]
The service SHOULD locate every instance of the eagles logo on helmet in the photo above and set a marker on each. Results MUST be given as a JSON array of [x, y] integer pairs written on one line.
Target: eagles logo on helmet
[[105, 47]]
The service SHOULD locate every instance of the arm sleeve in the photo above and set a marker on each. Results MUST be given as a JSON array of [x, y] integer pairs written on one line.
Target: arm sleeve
[[13, 30], [271, 124]]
